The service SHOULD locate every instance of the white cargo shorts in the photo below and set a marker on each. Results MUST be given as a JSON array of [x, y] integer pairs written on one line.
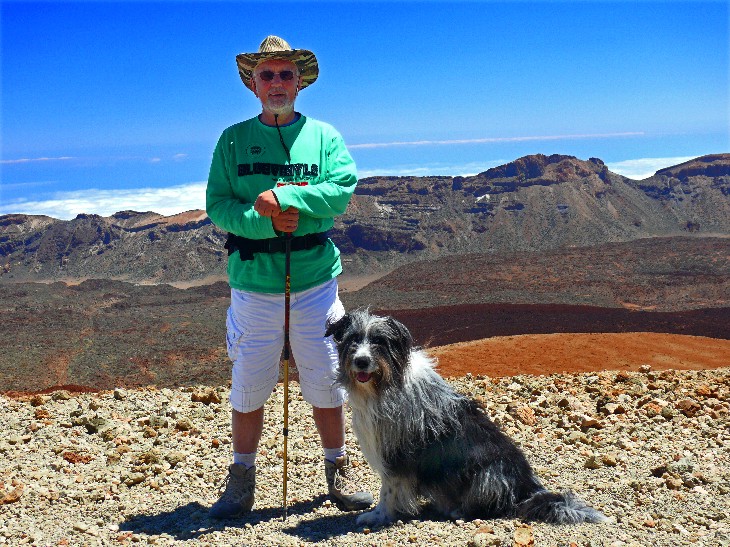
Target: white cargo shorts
[[255, 338]]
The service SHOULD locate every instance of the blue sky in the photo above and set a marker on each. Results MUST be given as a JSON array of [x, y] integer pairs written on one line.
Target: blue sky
[[108, 106]]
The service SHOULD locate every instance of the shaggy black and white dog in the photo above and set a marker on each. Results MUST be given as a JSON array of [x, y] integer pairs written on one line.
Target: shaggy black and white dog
[[429, 443]]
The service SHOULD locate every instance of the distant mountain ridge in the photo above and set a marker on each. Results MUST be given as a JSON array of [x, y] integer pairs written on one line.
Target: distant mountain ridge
[[535, 203]]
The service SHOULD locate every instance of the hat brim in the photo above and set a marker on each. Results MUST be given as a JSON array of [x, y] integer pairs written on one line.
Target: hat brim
[[305, 60]]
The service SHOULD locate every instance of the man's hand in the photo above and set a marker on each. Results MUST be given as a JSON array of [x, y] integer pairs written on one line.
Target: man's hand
[[267, 205], [286, 221]]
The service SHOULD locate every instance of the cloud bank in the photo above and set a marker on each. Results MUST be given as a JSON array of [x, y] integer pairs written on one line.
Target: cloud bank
[[645, 167], [67, 205]]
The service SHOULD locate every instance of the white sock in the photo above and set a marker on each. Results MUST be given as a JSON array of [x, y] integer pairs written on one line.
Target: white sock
[[249, 460], [332, 454]]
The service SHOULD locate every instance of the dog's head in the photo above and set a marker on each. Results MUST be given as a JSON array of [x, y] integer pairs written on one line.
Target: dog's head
[[373, 350]]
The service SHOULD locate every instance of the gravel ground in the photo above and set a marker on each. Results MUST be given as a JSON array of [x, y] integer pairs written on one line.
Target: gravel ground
[[650, 449]]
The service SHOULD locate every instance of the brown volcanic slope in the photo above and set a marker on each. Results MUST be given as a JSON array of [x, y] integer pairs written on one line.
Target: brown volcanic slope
[[104, 334], [453, 324], [535, 203], [658, 274], [107, 333]]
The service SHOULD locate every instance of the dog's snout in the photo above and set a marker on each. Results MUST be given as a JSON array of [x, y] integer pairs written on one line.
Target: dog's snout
[[361, 363]]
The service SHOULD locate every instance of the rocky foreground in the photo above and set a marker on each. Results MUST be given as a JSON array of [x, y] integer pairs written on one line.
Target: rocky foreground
[[650, 449]]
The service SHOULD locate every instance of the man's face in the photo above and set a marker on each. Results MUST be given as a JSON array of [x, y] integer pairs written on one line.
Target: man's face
[[277, 96]]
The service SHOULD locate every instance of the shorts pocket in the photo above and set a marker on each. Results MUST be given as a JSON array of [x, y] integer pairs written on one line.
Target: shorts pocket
[[234, 336]]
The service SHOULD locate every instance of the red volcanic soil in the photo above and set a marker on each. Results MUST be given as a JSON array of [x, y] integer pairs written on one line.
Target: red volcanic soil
[[572, 353], [510, 339]]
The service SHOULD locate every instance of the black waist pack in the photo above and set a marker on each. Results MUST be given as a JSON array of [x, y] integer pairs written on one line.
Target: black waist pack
[[247, 247]]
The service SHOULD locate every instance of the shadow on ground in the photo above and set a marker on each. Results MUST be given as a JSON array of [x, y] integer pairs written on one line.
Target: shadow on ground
[[191, 521]]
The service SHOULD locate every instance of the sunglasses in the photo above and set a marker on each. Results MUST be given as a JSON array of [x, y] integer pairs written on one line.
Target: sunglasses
[[268, 75]]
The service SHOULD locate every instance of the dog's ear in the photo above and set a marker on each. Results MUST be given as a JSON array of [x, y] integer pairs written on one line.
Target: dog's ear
[[400, 344], [336, 329], [403, 334]]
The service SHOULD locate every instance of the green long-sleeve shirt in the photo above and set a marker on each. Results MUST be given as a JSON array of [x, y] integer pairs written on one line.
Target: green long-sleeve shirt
[[319, 181]]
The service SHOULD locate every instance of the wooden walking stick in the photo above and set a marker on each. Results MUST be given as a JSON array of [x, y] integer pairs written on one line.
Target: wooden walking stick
[[287, 292]]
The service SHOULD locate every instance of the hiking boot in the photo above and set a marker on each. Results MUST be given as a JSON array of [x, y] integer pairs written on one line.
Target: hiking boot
[[342, 488], [237, 497]]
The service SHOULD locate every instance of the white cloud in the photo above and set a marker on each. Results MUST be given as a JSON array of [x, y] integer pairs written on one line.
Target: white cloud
[[494, 140], [643, 168], [174, 157], [66, 205], [34, 160]]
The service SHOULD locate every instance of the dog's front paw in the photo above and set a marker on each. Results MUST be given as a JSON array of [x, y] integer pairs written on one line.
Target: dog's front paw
[[376, 517]]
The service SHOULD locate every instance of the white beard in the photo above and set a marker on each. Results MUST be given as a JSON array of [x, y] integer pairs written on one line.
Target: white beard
[[281, 108]]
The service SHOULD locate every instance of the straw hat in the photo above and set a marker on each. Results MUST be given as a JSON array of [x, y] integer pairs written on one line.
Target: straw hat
[[274, 47]]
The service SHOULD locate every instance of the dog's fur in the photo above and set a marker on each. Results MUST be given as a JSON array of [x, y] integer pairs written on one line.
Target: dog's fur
[[428, 442]]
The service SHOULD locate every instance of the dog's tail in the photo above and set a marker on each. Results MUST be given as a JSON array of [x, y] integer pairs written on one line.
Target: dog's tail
[[554, 508]]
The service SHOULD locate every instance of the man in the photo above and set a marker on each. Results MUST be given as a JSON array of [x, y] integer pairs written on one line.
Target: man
[[276, 174]]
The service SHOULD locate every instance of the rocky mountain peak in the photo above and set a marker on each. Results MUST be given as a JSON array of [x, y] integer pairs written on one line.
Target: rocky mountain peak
[[536, 170], [712, 165], [556, 168], [124, 215]]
